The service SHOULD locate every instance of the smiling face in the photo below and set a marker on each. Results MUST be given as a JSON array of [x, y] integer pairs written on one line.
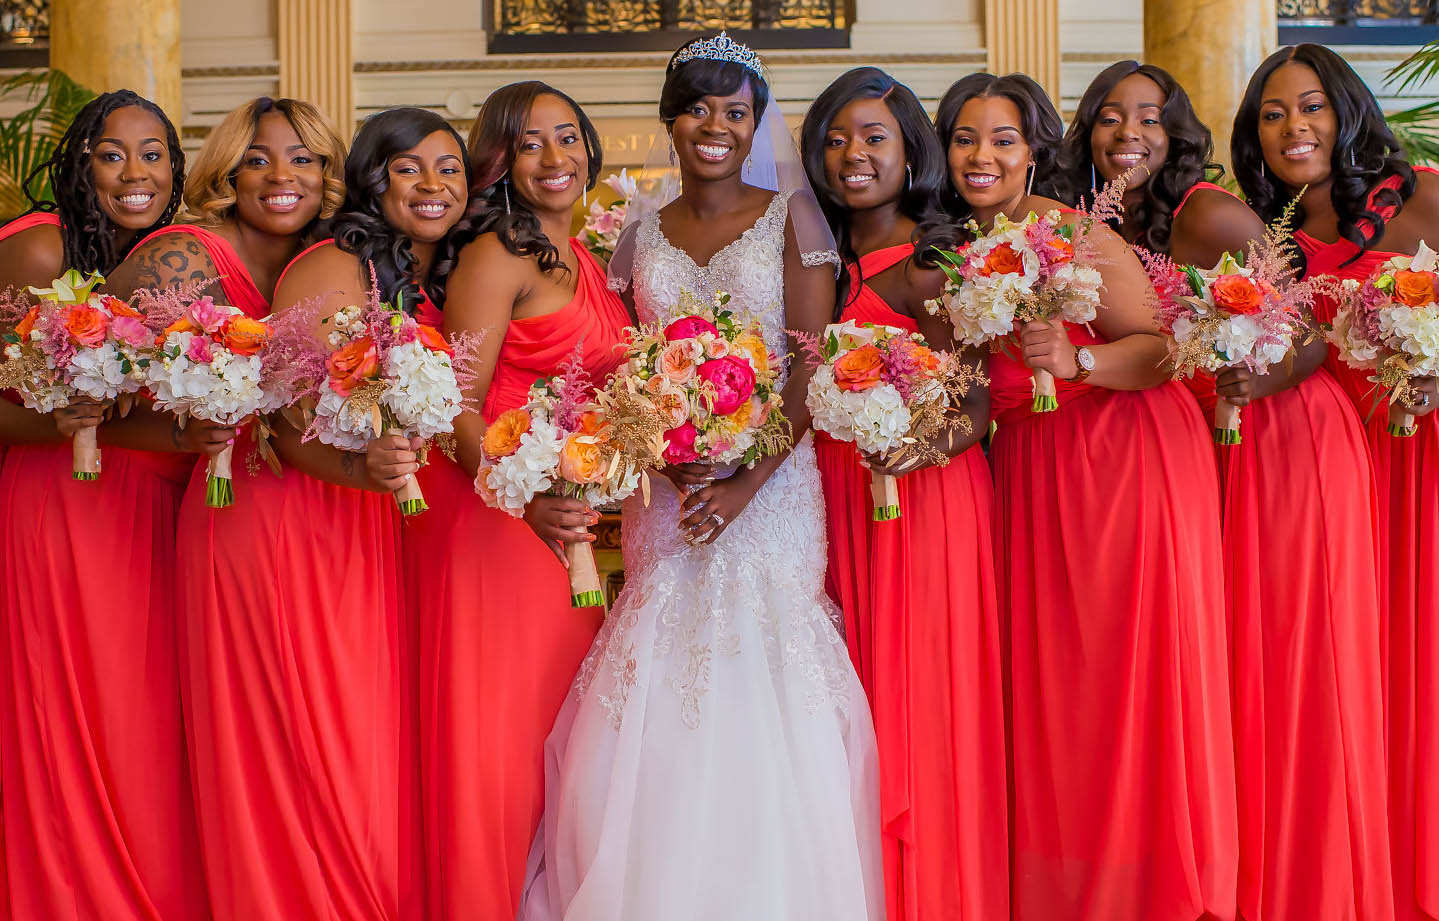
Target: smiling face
[[1297, 126], [864, 159], [130, 164], [989, 158], [427, 190], [552, 167], [1129, 131], [279, 182], [713, 135]]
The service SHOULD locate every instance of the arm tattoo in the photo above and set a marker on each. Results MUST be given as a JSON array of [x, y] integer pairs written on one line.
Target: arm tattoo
[[348, 462], [165, 264]]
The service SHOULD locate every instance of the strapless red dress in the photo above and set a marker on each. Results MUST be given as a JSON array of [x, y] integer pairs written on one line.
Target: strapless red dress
[[295, 685], [1406, 475], [1108, 548], [921, 615], [499, 642]]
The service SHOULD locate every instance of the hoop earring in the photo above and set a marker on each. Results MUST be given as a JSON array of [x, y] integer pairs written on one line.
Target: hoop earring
[[505, 187], [1029, 186]]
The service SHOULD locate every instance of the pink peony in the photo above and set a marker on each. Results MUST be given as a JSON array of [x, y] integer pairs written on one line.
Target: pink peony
[[733, 382], [680, 444], [131, 331], [199, 350], [689, 328], [208, 315]]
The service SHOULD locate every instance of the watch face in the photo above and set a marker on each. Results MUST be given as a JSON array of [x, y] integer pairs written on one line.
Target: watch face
[[1085, 358]]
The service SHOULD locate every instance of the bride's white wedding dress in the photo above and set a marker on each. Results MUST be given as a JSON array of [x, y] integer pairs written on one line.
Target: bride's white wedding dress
[[715, 760]]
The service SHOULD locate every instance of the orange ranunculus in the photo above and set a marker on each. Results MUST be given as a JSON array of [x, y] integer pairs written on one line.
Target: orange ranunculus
[[581, 461], [1414, 288], [117, 307], [433, 339], [182, 325], [502, 438], [244, 336], [1002, 260], [1236, 294], [923, 356], [859, 369], [26, 325], [591, 421], [86, 325], [352, 365]]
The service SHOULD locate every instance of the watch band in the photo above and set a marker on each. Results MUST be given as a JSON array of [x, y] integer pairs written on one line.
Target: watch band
[[1083, 371]]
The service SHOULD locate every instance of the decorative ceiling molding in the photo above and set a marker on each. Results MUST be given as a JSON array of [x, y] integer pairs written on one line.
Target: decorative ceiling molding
[[641, 61]]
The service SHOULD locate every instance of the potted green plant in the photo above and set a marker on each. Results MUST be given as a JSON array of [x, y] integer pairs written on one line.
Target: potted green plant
[[52, 100]]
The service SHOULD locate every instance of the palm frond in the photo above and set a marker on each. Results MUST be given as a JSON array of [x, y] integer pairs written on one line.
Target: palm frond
[[52, 101], [1420, 67]]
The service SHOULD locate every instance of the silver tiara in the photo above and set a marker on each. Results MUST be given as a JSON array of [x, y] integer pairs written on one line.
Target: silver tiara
[[722, 48]]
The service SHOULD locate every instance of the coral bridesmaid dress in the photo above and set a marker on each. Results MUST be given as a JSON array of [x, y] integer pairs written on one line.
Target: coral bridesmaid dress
[[922, 624], [499, 642], [98, 813], [1406, 474], [1107, 529], [295, 692]]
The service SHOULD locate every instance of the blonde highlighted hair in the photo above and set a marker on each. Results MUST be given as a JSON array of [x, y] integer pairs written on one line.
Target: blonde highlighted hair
[[210, 183]]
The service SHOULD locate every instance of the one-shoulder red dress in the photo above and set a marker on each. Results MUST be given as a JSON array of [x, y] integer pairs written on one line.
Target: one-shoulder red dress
[[921, 614], [99, 821], [295, 694], [1406, 474], [1108, 547], [499, 642]]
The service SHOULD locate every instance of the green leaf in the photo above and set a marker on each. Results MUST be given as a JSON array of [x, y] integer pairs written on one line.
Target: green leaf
[[51, 100], [1419, 68], [11, 338], [1196, 282]]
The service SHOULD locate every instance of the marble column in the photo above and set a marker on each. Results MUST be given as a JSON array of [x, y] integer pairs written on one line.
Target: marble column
[[120, 44], [317, 57], [1022, 36], [1211, 47]]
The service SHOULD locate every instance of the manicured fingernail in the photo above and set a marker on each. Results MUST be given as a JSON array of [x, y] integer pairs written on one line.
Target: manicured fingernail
[[230, 442]]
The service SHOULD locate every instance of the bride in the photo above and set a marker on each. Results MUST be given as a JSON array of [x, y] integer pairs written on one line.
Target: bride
[[715, 758]]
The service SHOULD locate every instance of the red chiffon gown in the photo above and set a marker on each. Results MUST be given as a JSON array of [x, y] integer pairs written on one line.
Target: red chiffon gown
[[99, 821], [921, 615], [295, 691], [1122, 758], [499, 642], [1406, 474]]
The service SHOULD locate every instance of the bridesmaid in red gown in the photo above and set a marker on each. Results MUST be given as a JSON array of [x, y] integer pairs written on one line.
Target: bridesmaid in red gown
[[918, 594], [97, 813], [1108, 534], [1300, 549], [1309, 121], [499, 642]]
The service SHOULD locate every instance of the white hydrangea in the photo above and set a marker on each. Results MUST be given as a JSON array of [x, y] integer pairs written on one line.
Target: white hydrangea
[[610, 493], [45, 399], [1082, 284], [423, 395], [982, 308], [1415, 332], [338, 425], [225, 390], [99, 373], [876, 420], [518, 478]]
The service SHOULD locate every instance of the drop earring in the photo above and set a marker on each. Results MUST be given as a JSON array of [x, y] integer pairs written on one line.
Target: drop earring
[[505, 187], [1261, 170], [585, 197], [748, 167], [1029, 186], [908, 177], [1351, 157], [672, 153], [1093, 179]]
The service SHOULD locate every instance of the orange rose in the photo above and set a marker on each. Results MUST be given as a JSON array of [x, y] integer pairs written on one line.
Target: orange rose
[[244, 336], [352, 365], [86, 325], [28, 324], [859, 369], [580, 460], [1414, 288], [591, 422], [118, 308], [182, 325], [1236, 294], [1003, 260], [433, 340], [502, 438], [923, 356]]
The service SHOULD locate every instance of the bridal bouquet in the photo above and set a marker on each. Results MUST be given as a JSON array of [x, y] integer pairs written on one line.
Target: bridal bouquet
[[886, 391], [1389, 324], [1233, 314], [385, 373], [557, 443], [212, 363], [603, 225], [76, 343], [703, 388]]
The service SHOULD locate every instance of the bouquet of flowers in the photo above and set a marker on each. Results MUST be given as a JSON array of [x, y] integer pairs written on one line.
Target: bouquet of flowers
[[703, 388], [385, 373], [603, 225], [886, 391], [1233, 314], [75, 343], [212, 363], [1389, 324], [558, 443], [1040, 268]]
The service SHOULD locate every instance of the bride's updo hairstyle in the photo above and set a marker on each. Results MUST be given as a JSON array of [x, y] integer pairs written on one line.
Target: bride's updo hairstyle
[[689, 81]]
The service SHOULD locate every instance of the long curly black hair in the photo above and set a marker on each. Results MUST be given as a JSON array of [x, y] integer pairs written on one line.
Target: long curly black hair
[[87, 231], [360, 226], [1365, 151], [1190, 158], [919, 200]]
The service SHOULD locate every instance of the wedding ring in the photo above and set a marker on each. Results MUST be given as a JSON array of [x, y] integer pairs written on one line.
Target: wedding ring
[[1423, 400], [717, 519]]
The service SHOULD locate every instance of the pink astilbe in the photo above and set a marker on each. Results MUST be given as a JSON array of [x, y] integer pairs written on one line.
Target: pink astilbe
[[1169, 283], [901, 369], [163, 306], [809, 345], [572, 389]]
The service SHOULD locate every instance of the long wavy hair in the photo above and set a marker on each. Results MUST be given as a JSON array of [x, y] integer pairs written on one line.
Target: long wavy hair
[[1190, 158], [919, 200], [495, 205], [1365, 151], [360, 226], [1039, 123], [87, 231]]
